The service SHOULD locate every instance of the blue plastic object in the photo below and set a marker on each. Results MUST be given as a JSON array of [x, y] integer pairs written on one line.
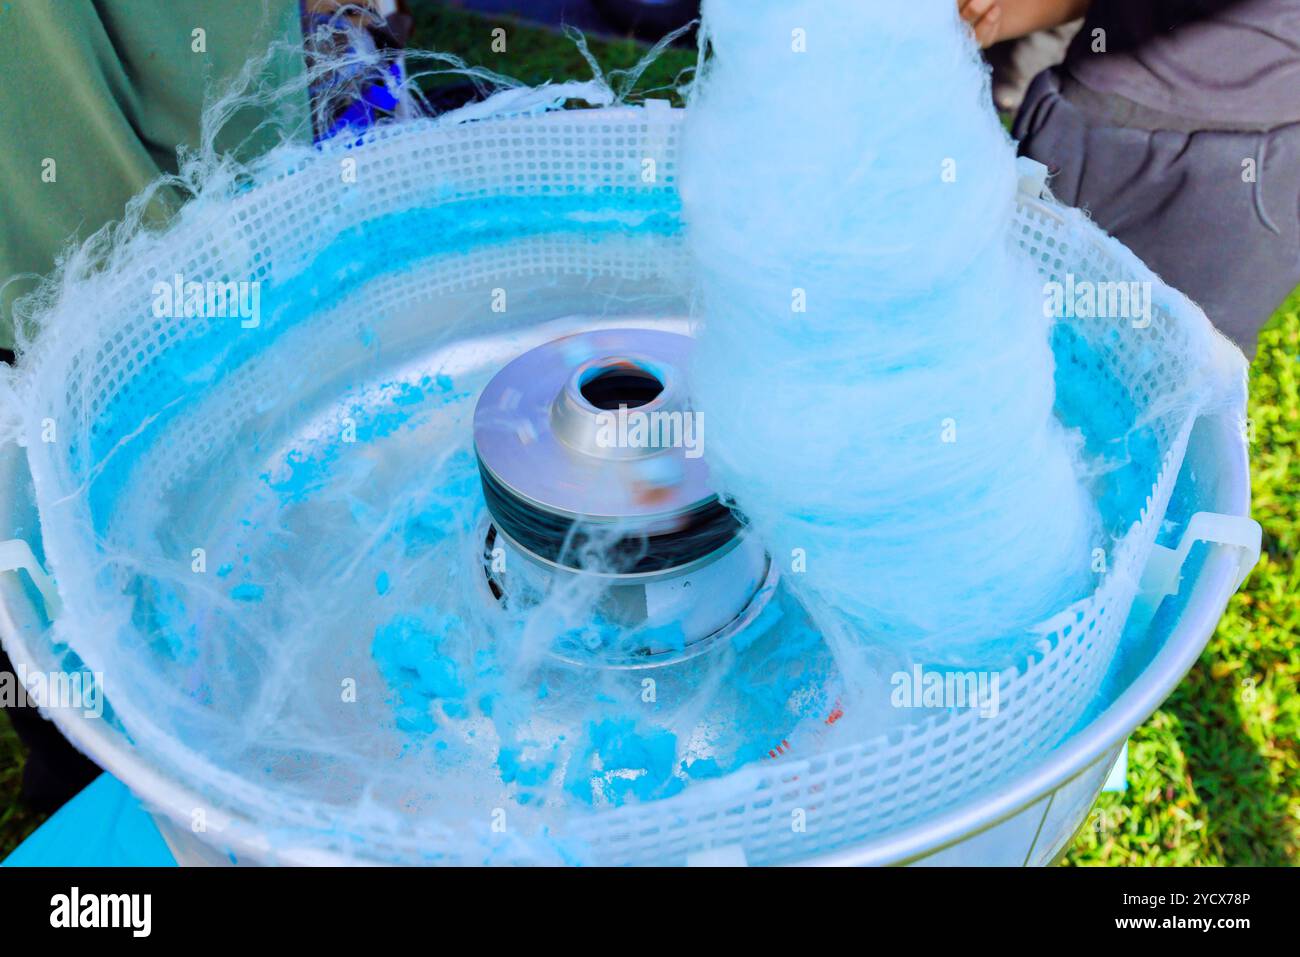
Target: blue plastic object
[[103, 826]]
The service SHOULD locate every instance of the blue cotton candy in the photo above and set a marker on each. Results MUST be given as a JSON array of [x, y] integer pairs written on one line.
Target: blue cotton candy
[[875, 368]]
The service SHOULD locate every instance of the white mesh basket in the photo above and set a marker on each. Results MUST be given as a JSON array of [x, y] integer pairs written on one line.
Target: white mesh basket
[[104, 370]]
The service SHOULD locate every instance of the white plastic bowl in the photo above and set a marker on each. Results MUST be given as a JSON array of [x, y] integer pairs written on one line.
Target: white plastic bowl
[[884, 802]]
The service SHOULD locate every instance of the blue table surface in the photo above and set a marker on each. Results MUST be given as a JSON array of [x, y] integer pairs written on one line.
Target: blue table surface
[[103, 826]]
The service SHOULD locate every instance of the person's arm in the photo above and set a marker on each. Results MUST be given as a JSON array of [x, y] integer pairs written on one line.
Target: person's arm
[[996, 20]]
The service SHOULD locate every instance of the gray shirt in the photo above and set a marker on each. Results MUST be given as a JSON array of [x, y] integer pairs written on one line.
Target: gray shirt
[[1224, 64]]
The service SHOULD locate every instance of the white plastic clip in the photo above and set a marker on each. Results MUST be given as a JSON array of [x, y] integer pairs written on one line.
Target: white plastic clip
[[1033, 177], [17, 555], [1163, 574]]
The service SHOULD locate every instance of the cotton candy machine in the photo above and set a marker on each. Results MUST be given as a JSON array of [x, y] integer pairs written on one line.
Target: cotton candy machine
[[591, 464], [511, 358]]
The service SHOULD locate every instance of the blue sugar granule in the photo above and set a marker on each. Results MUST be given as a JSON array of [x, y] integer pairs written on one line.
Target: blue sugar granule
[[409, 395], [516, 769], [381, 583], [411, 658], [306, 475], [247, 592], [382, 425], [616, 745], [701, 769], [406, 396]]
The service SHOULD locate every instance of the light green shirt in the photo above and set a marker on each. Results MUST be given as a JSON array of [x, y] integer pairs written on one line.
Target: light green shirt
[[95, 97]]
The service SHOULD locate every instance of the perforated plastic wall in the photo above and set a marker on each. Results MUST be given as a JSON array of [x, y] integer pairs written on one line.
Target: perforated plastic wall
[[111, 369]]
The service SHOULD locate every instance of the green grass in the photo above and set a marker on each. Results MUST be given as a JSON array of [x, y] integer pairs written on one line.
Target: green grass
[[534, 55], [16, 821], [1214, 775]]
